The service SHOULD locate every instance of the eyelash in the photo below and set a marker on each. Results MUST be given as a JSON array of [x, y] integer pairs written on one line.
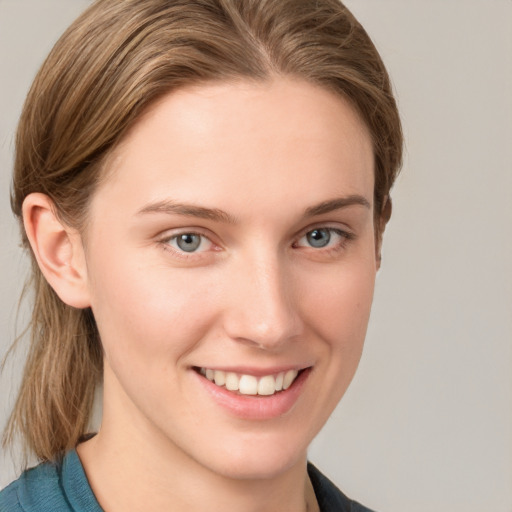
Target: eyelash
[[345, 238]]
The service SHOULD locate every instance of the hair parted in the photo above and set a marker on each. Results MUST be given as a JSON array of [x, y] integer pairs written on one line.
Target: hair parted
[[114, 61]]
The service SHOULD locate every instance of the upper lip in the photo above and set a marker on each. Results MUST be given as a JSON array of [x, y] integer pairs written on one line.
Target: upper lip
[[256, 371]]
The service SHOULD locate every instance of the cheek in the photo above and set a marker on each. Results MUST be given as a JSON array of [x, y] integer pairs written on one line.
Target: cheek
[[339, 304], [146, 314], [338, 309]]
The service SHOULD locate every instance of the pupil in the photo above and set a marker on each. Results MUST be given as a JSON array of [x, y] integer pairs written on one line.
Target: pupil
[[188, 242], [319, 237]]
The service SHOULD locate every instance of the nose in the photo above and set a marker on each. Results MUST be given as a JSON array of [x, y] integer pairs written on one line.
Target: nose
[[262, 308]]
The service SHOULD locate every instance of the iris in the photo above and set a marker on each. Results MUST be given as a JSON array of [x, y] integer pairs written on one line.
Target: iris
[[319, 237], [188, 242]]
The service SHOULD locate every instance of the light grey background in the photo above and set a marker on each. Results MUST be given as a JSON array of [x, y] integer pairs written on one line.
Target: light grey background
[[427, 423]]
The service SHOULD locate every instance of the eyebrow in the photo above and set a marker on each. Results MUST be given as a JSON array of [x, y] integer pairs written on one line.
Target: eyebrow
[[336, 204], [190, 210]]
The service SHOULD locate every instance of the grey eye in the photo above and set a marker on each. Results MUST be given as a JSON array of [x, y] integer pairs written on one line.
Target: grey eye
[[319, 237], [188, 242]]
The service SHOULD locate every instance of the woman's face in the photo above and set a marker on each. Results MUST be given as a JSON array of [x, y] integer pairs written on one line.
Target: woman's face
[[233, 240]]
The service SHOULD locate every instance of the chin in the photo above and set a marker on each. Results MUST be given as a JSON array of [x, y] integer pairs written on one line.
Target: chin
[[258, 460]]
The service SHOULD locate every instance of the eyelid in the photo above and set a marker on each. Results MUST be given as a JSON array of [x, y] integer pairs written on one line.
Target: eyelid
[[167, 234], [332, 226]]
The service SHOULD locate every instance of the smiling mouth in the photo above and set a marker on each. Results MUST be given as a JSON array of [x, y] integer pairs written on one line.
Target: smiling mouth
[[245, 384]]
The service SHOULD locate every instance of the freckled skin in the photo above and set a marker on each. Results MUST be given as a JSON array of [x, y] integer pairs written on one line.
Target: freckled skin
[[255, 294]]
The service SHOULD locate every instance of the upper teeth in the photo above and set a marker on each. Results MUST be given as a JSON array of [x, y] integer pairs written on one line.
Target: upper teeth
[[249, 384]]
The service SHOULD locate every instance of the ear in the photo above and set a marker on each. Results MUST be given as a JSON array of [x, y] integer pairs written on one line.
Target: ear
[[383, 219], [58, 250]]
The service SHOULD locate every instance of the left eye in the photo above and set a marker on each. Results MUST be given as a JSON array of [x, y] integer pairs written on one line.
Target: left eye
[[189, 242], [322, 237]]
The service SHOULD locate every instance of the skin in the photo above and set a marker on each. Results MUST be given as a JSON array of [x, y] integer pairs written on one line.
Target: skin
[[255, 295]]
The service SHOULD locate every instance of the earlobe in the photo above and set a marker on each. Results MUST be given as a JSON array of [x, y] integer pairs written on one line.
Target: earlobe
[[58, 250]]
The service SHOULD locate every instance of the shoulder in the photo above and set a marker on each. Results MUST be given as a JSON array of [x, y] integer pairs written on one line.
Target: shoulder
[[329, 497], [9, 501], [36, 489], [50, 487]]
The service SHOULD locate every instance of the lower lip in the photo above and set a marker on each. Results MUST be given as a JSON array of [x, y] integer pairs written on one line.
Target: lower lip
[[256, 407]]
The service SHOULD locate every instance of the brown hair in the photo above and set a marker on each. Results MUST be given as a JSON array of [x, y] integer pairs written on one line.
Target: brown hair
[[115, 60]]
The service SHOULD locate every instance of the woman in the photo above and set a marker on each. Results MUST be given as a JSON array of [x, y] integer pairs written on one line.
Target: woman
[[203, 186]]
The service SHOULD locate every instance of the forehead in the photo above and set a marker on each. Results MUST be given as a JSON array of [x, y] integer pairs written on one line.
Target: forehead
[[252, 140]]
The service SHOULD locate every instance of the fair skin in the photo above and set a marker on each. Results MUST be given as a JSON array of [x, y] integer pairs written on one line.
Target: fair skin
[[270, 186]]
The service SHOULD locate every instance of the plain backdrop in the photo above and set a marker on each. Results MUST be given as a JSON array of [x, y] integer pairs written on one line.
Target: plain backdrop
[[427, 422]]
